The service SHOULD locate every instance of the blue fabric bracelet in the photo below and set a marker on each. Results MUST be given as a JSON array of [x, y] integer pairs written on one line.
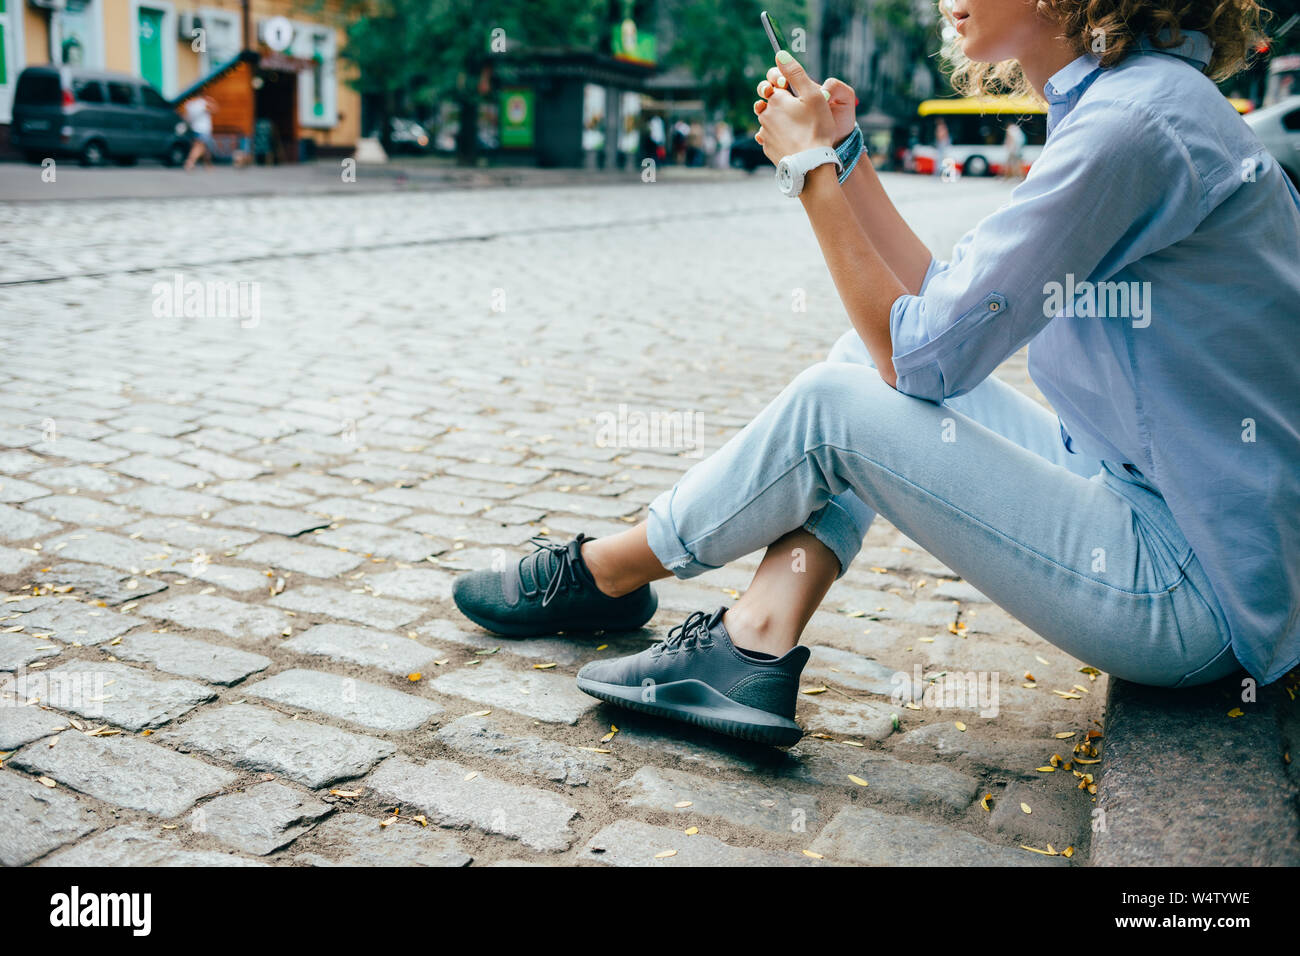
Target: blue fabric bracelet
[[850, 151]]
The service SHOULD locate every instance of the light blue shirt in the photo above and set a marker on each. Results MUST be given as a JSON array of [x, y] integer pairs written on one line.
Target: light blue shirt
[[1186, 365]]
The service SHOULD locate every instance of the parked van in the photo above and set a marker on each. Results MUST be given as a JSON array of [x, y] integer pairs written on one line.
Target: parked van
[[94, 116]]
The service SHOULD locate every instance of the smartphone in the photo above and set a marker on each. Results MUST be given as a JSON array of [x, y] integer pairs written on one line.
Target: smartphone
[[775, 37]]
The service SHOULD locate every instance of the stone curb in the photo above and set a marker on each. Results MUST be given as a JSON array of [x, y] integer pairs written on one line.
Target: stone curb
[[1184, 784]]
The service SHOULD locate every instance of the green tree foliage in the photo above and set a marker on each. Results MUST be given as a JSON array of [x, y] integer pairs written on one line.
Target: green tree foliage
[[723, 45], [415, 54]]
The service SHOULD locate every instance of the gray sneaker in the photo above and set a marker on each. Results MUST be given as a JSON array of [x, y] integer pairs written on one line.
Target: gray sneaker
[[547, 591], [698, 676]]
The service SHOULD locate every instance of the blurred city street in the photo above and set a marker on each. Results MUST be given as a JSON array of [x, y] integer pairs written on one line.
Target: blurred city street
[[247, 442]]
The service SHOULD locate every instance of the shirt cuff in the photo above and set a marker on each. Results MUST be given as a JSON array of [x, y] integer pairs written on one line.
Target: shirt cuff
[[914, 375]]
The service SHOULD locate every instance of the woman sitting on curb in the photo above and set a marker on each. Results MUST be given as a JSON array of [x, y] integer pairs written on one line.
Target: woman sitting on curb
[[1151, 527]]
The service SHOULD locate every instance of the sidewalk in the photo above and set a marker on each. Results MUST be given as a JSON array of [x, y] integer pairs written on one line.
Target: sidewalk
[[22, 182]]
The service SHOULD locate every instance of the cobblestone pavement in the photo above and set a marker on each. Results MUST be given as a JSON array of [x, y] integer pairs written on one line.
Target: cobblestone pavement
[[227, 544]]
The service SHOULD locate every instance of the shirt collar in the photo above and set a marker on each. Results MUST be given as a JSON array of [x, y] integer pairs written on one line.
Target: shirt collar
[[1195, 46], [1068, 84]]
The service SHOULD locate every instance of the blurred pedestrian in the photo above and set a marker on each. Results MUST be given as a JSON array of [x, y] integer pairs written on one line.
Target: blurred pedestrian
[[1015, 146], [658, 137], [723, 138], [198, 116], [681, 129], [942, 142], [695, 144]]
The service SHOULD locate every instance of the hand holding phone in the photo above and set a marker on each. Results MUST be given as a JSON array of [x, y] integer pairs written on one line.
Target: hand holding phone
[[776, 38]]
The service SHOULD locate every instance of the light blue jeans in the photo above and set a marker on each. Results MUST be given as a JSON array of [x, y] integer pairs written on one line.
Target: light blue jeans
[[1084, 552]]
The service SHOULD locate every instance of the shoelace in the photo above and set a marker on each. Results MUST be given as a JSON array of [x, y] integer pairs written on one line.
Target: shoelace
[[564, 575], [695, 627]]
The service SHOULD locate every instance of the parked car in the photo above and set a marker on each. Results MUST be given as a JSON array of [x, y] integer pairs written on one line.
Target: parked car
[[1278, 128], [94, 116], [746, 154]]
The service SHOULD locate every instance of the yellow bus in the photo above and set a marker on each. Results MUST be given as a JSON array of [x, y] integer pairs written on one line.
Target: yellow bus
[[977, 129], [977, 133]]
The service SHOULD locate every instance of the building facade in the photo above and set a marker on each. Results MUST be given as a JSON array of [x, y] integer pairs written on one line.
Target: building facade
[[176, 43]]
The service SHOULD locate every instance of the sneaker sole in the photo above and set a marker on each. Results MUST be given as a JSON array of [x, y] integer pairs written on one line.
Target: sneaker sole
[[531, 630], [695, 702]]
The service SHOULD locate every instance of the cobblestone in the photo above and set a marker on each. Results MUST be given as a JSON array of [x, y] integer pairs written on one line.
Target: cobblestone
[[21, 724], [868, 837], [478, 737], [105, 584], [140, 846], [37, 819], [190, 658], [253, 738], [276, 520], [261, 819], [390, 653], [124, 696], [124, 771], [346, 698], [741, 803], [631, 843], [352, 839], [453, 796], [546, 696], [361, 608], [211, 612], [199, 454], [71, 621]]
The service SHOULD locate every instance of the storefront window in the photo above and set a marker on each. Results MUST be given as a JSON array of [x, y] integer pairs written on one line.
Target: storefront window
[[221, 38], [79, 41]]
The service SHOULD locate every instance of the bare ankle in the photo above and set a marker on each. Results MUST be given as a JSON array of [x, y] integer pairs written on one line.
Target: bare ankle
[[754, 629], [608, 583]]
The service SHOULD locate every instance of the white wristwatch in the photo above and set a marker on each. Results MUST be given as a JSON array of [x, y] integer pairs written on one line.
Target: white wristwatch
[[791, 170]]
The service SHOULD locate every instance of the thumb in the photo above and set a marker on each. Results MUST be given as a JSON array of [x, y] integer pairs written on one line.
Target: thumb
[[840, 92], [794, 74]]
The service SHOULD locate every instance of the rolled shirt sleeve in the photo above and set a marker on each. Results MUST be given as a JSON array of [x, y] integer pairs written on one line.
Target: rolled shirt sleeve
[[1113, 184]]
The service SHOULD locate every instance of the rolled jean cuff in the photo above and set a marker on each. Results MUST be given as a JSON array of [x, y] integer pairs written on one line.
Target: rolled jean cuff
[[835, 526], [666, 544]]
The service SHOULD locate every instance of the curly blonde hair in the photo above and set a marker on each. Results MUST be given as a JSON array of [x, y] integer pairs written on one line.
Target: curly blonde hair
[[1232, 26]]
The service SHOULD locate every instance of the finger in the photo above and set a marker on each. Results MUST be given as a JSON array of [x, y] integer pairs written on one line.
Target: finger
[[799, 81], [760, 105], [775, 77], [840, 92], [758, 138], [765, 89]]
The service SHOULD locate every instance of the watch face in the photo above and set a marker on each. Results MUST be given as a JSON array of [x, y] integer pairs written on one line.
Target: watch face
[[784, 176]]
